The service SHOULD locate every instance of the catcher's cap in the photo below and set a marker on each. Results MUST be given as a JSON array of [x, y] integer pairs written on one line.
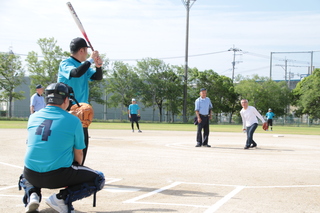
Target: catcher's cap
[[39, 86], [133, 99], [77, 43], [56, 93]]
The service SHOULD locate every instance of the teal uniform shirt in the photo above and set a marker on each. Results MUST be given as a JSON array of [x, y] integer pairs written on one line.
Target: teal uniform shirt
[[269, 115], [133, 108], [80, 85], [53, 133]]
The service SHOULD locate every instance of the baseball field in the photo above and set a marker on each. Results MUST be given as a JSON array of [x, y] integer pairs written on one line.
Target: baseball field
[[161, 170]]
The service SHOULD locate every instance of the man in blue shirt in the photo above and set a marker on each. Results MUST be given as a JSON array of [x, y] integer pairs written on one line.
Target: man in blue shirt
[[76, 72], [54, 153], [270, 116], [203, 111], [37, 100], [134, 114]]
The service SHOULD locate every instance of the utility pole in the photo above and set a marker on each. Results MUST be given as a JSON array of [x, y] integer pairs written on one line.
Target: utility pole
[[187, 5], [234, 60]]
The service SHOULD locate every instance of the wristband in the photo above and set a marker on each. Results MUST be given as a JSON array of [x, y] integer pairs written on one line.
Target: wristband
[[90, 60]]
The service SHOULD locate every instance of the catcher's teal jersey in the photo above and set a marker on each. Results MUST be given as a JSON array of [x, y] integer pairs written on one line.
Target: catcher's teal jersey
[[133, 108], [80, 85], [53, 133]]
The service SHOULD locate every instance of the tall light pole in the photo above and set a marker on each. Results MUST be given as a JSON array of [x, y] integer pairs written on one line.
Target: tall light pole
[[234, 60], [187, 5]]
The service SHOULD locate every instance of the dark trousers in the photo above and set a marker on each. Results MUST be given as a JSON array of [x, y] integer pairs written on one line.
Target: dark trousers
[[86, 142], [270, 122], [203, 140], [71, 177], [134, 119], [250, 130]]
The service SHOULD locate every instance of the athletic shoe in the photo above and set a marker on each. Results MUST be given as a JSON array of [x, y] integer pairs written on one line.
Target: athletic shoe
[[139, 130], [132, 130], [58, 204], [33, 203], [253, 146]]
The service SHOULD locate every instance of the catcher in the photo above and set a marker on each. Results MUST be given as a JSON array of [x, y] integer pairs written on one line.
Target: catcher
[[249, 116]]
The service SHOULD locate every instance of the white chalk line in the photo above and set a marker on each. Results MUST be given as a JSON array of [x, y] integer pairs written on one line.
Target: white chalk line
[[214, 207], [7, 164]]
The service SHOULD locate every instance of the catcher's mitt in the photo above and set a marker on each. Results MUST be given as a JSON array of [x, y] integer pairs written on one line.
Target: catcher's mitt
[[265, 126], [84, 112]]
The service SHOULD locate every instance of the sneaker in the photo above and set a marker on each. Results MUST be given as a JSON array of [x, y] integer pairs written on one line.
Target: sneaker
[[139, 130], [33, 204], [132, 130], [58, 204]]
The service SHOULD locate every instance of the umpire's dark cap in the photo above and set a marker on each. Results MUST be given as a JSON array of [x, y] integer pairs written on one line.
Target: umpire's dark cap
[[56, 93], [203, 89], [39, 86], [77, 43]]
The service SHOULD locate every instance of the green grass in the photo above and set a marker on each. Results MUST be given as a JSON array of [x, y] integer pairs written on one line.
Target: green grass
[[302, 130]]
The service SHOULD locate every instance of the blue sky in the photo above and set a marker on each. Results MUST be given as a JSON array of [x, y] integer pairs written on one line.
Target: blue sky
[[134, 29]]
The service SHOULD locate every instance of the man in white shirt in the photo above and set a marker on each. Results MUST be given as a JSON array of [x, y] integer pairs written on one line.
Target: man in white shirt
[[249, 116]]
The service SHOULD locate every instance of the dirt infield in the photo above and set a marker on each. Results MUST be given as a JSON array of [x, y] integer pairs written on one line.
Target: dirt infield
[[163, 171]]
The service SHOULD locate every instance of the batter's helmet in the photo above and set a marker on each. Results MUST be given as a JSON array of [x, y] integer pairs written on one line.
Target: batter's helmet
[[56, 93]]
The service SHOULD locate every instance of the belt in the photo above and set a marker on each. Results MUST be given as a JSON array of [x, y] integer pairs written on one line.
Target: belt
[[204, 115]]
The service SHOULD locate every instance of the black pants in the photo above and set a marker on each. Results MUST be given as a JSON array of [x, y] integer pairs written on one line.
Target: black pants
[[86, 141], [134, 119], [72, 177], [203, 140]]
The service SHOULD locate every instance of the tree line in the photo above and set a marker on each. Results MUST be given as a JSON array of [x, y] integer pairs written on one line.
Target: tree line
[[159, 85]]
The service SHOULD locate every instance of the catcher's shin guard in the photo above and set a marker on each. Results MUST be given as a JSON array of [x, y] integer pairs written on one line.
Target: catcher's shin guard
[[28, 189], [84, 190]]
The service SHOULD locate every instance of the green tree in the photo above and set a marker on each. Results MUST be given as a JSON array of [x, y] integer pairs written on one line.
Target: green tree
[[220, 91], [307, 95], [263, 93], [44, 71], [11, 76], [153, 72], [123, 85]]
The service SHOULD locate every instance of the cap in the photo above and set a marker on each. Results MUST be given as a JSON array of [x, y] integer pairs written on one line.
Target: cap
[[56, 93], [133, 99], [77, 43], [203, 89], [270, 109], [39, 86]]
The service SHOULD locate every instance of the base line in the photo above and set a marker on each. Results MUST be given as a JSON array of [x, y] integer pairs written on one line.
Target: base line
[[152, 193], [7, 164], [218, 204]]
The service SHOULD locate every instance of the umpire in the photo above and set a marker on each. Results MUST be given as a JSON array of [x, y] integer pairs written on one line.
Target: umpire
[[203, 109]]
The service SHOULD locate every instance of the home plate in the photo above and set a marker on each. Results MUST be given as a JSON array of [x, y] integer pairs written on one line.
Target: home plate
[[108, 189], [277, 136]]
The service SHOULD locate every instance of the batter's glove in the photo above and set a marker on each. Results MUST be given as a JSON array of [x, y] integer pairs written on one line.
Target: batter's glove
[[265, 126], [84, 112]]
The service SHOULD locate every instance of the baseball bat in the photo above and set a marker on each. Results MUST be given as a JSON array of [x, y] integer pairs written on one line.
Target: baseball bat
[[79, 24]]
